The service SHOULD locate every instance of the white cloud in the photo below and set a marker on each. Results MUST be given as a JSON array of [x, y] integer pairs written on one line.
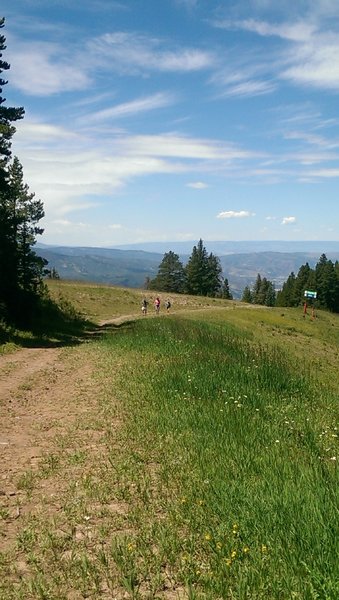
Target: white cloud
[[326, 173], [288, 220], [298, 32], [70, 172], [269, 218], [39, 69], [127, 109], [233, 214], [130, 52], [310, 55], [250, 88], [198, 185]]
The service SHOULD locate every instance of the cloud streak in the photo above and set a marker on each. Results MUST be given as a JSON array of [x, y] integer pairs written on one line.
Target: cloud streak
[[234, 214]]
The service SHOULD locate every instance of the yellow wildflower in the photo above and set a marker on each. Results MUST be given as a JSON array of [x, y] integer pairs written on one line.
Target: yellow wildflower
[[131, 547], [207, 537]]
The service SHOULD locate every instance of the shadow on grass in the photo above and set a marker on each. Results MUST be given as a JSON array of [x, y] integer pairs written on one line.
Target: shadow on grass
[[58, 333]]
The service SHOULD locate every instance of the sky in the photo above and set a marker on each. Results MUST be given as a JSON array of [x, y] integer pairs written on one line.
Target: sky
[[174, 120]]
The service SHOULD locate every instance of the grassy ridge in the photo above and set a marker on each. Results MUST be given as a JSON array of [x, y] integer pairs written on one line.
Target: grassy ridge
[[241, 502], [201, 464]]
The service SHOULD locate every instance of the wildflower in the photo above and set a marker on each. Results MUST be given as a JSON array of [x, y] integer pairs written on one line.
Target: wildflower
[[333, 458], [219, 545], [207, 537], [131, 547], [200, 502], [228, 562], [183, 500], [246, 550], [233, 553], [263, 549]]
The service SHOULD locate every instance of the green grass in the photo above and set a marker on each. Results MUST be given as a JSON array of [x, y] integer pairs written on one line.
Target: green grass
[[204, 461], [234, 452]]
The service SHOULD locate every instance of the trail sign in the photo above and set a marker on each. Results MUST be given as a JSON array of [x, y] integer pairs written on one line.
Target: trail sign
[[310, 294]]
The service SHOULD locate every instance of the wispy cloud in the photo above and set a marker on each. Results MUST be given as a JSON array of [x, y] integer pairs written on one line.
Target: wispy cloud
[[132, 52], [310, 55], [127, 109], [69, 171], [250, 88], [234, 214], [197, 185]]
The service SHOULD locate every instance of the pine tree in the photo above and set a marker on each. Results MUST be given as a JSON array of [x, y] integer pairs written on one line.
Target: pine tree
[[8, 115], [203, 272], [225, 292], [26, 212], [301, 283], [170, 276], [214, 281], [286, 296], [256, 290], [247, 295], [197, 271], [326, 283]]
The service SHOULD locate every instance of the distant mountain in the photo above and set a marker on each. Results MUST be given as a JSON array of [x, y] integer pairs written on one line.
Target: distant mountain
[[131, 267], [228, 247], [126, 268]]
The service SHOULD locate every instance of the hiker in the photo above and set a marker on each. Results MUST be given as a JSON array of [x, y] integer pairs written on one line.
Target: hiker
[[168, 306], [144, 307], [157, 305]]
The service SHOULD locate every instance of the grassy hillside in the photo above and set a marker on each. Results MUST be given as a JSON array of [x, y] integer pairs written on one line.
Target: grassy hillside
[[203, 466], [98, 302]]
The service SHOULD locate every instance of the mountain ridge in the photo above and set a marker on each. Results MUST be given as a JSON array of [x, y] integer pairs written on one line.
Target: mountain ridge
[[131, 267]]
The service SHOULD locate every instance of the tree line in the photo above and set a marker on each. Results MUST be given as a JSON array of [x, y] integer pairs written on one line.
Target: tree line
[[21, 270], [201, 276], [323, 279]]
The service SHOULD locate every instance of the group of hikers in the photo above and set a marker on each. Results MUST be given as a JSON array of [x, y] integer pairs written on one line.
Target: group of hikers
[[157, 302]]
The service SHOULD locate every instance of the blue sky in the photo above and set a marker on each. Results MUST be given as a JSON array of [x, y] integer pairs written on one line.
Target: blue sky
[[157, 120]]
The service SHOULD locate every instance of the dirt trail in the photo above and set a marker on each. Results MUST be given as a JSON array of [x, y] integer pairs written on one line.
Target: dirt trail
[[37, 391]]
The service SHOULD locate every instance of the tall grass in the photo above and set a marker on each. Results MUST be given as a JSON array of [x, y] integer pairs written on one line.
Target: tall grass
[[232, 469]]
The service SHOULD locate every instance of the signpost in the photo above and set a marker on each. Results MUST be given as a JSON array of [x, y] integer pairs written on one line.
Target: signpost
[[312, 295]]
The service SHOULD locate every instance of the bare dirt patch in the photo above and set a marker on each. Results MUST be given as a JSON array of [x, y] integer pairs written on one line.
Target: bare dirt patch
[[37, 392]]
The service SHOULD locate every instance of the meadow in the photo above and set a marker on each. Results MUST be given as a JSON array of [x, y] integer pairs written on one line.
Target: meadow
[[203, 467]]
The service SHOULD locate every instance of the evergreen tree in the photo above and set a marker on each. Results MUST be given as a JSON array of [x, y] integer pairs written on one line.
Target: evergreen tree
[[197, 271], [214, 280], [8, 115], [301, 283], [256, 290], [247, 295], [326, 283], [269, 296], [26, 212], [203, 272], [170, 276], [286, 296], [263, 292], [225, 290]]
